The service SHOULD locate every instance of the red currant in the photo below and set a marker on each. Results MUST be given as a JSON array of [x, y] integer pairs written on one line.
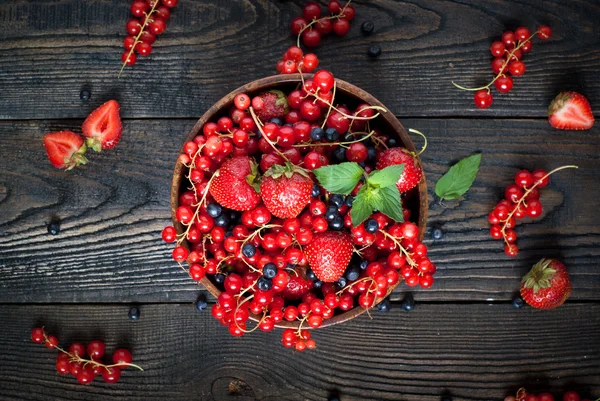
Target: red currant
[[544, 32], [498, 49], [157, 26], [241, 101], [311, 37], [95, 349], [522, 33], [357, 152], [508, 38], [534, 208], [311, 10], [504, 84], [541, 178], [170, 3], [85, 375], [324, 80], [37, 335], [483, 99], [511, 250], [524, 179], [129, 58], [133, 27], [517, 68], [297, 25], [341, 27], [498, 64]]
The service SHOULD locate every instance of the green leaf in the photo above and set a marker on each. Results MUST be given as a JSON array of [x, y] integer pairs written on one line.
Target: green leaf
[[361, 206], [459, 178], [387, 177], [339, 178], [388, 202]]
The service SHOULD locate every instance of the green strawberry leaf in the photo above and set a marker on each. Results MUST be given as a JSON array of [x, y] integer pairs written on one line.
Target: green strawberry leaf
[[361, 206], [388, 202], [459, 178], [339, 178], [387, 177]]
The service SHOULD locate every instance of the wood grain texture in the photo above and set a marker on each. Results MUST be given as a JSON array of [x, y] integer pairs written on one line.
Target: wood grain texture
[[49, 51], [113, 209], [475, 352]]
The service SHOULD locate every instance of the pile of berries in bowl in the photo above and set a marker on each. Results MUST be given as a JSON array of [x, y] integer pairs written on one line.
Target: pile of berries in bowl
[[299, 202]]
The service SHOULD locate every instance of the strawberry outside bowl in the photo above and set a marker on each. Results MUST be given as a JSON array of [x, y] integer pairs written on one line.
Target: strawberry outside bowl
[[346, 93]]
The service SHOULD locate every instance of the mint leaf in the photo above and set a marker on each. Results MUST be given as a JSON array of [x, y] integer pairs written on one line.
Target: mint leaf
[[339, 178], [387, 177], [459, 178], [388, 202], [361, 206]]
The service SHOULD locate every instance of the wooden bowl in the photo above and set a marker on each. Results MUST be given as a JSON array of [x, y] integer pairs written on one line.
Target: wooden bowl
[[348, 94]]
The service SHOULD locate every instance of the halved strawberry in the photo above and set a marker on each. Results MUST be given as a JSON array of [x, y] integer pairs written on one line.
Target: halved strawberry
[[103, 127], [65, 149], [571, 111]]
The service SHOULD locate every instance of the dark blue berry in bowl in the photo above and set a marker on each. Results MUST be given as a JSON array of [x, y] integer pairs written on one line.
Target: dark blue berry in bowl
[[371, 226], [248, 250], [352, 273], [269, 270], [317, 134], [331, 134], [264, 284]]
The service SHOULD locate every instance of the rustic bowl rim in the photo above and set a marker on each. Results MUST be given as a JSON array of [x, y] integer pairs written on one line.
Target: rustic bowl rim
[[342, 87]]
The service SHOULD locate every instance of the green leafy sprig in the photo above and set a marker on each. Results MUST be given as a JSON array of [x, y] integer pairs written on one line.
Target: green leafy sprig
[[457, 181]]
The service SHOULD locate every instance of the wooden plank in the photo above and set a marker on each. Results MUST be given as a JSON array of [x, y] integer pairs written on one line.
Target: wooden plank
[[49, 51], [114, 208], [476, 352]]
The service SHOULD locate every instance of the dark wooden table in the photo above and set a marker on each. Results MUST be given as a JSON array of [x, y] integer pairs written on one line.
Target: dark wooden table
[[463, 338]]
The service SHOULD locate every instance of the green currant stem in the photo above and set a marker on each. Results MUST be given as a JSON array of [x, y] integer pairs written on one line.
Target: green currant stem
[[522, 200], [260, 128], [137, 37], [314, 21], [414, 131], [501, 73]]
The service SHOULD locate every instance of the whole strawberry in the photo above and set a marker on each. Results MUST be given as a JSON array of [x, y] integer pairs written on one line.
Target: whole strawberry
[[285, 190], [271, 104], [547, 285], [232, 185], [65, 149], [103, 127], [412, 173], [328, 254], [570, 111]]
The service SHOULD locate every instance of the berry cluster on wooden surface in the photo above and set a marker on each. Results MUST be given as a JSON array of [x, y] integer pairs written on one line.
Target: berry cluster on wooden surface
[[73, 361], [521, 199], [507, 63], [149, 20], [269, 211]]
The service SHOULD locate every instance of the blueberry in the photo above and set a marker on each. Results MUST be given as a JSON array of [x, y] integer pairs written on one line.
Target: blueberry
[[362, 164], [234, 216], [336, 224], [371, 226], [371, 154], [220, 278], [228, 233], [134, 313], [374, 51], [408, 303], [367, 27], [517, 302], [248, 250], [316, 191], [363, 264], [318, 284], [337, 200], [437, 233], [339, 155], [333, 398], [264, 284], [258, 134], [311, 275], [331, 134], [385, 305], [201, 303], [331, 213], [214, 210], [316, 134], [392, 142], [352, 273], [53, 228], [269, 270], [349, 200], [222, 220], [277, 120], [85, 95], [342, 282]]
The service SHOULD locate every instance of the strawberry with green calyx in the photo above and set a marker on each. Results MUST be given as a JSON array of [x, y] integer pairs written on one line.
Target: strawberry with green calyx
[[286, 190], [379, 190], [234, 185], [65, 149], [413, 171], [328, 254], [570, 111], [270, 104], [547, 285], [103, 127]]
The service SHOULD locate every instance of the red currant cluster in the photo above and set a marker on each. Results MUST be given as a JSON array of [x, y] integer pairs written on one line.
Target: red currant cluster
[[261, 261], [508, 54], [523, 395], [522, 199], [73, 361], [294, 60], [150, 20]]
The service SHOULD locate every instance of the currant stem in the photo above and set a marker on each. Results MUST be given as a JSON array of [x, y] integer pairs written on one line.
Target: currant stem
[[314, 21], [301, 145], [259, 125], [522, 200], [137, 38], [414, 131], [330, 106], [409, 259]]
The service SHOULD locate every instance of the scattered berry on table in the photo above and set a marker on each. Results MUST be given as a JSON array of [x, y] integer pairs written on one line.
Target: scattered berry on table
[[547, 285], [385, 305], [65, 149], [374, 51], [367, 27], [201, 303], [54, 227], [134, 313], [85, 95], [103, 127], [408, 303], [437, 233]]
